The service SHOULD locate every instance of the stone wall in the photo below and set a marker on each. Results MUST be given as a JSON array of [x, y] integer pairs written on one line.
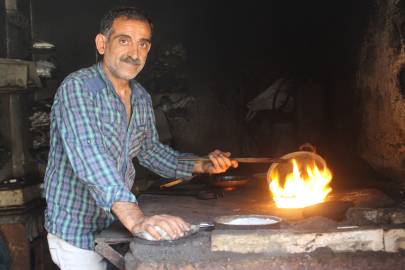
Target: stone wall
[[380, 91]]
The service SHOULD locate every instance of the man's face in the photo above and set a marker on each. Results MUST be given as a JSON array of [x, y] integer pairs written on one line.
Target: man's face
[[126, 51]]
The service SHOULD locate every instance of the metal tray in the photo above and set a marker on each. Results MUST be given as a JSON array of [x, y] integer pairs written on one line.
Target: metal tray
[[219, 223]]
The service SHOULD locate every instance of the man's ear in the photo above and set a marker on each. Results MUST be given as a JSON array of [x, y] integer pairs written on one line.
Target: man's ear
[[101, 43]]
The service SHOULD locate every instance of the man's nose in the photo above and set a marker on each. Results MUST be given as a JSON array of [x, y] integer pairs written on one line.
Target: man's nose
[[133, 51]]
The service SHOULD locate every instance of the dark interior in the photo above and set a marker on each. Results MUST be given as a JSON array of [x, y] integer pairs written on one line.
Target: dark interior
[[344, 61], [235, 51]]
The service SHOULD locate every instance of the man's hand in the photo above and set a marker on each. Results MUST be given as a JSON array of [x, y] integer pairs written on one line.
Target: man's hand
[[134, 220], [171, 224], [219, 163]]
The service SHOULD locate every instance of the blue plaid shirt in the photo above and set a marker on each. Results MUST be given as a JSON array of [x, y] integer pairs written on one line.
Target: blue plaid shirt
[[91, 151]]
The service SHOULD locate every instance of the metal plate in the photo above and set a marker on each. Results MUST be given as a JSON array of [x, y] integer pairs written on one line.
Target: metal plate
[[220, 223]]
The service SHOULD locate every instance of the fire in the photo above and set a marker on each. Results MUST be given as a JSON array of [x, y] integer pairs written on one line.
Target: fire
[[301, 189]]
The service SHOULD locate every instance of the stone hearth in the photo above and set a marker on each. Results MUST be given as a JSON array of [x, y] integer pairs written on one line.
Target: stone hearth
[[257, 249]]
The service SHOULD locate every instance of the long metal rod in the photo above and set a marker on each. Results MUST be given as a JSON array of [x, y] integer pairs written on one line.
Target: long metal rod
[[243, 160]]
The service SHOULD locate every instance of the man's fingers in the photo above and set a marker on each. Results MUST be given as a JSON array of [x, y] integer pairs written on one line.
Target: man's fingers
[[215, 152], [171, 227], [226, 160], [175, 223], [151, 229], [214, 160], [220, 162], [221, 159], [172, 231], [234, 164], [182, 223]]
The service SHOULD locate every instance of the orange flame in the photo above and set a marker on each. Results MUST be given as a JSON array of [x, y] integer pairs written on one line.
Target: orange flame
[[300, 189]]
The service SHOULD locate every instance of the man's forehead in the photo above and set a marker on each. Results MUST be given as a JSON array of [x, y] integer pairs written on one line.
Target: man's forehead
[[123, 26]]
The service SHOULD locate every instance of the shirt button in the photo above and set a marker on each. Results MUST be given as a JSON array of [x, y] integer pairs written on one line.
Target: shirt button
[[88, 141]]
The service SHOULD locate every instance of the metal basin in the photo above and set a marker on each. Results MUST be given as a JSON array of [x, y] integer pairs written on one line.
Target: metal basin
[[227, 182]]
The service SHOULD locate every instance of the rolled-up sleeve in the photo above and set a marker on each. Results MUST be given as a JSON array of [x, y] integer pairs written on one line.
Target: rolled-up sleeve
[[161, 158], [78, 125]]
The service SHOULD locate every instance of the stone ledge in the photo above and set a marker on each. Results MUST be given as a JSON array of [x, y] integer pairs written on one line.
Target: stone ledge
[[394, 240], [289, 241]]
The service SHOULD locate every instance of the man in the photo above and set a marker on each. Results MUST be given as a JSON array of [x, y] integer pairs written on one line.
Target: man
[[101, 119]]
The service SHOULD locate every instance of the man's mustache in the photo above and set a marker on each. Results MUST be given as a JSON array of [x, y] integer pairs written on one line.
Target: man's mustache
[[129, 59]]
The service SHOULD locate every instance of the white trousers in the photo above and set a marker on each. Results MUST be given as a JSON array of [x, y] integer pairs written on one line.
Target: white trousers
[[70, 257]]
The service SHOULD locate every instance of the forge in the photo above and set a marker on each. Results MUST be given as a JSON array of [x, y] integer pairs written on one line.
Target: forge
[[359, 239]]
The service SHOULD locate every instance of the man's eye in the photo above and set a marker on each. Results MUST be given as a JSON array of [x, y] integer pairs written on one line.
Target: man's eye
[[143, 45], [124, 41]]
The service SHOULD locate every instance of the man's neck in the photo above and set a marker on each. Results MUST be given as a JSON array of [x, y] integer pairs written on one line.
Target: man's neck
[[121, 86]]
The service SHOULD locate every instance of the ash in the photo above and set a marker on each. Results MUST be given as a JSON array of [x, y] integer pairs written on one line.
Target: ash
[[356, 221], [321, 223], [314, 223]]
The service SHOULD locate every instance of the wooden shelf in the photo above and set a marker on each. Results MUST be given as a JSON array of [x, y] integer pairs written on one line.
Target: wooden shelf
[[40, 51], [17, 90]]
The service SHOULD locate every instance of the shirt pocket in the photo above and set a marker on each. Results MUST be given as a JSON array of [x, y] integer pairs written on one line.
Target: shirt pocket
[[111, 129], [137, 138], [113, 135]]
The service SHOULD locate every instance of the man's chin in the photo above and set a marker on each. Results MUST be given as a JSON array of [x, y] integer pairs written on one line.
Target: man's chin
[[128, 75]]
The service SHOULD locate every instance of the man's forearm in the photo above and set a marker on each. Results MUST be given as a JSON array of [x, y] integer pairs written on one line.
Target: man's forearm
[[198, 167], [128, 213]]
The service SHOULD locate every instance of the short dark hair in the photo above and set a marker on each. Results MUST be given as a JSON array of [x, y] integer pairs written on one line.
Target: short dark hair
[[129, 13]]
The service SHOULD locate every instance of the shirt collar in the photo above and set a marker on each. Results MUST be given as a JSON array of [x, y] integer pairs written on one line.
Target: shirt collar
[[104, 77]]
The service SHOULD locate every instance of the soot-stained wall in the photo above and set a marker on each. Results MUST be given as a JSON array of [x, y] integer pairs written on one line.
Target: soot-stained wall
[[380, 90]]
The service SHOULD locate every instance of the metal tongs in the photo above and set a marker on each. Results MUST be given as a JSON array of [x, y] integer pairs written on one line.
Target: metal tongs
[[242, 160]]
